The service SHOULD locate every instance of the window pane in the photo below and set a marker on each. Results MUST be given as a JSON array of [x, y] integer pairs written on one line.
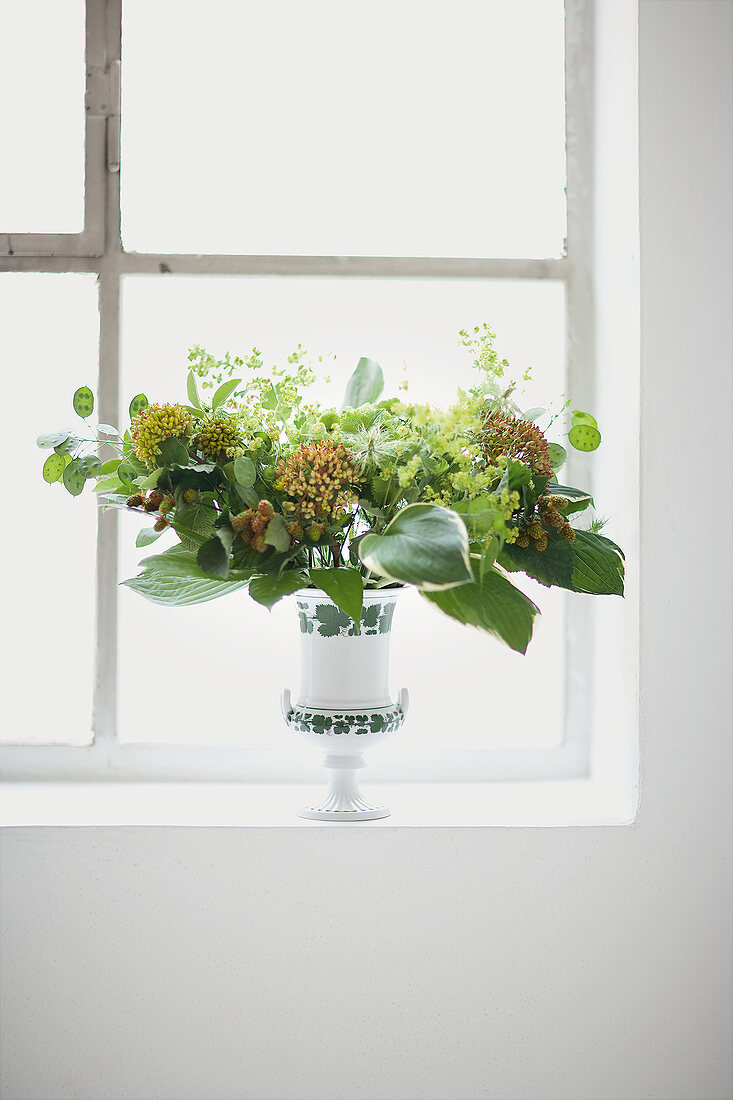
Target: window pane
[[335, 129], [214, 673], [50, 333], [42, 117]]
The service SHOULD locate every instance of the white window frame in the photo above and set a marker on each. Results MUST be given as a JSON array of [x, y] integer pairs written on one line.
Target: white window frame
[[98, 249]]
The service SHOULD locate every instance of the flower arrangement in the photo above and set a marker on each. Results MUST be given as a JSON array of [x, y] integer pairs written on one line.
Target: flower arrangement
[[265, 490]]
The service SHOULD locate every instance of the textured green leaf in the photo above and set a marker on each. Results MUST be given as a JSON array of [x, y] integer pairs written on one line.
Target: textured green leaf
[[365, 384], [174, 579], [194, 523], [345, 587], [83, 402], [492, 604], [557, 455], [424, 544], [598, 565], [268, 588], [551, 567]]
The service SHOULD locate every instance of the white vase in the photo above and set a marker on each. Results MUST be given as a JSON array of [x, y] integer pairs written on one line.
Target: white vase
[[343, 705]]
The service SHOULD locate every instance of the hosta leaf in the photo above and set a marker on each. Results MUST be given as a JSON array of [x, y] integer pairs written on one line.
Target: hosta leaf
[[551, 567], [268, 589], [174, 579], [424, 544], [365, 384], [345, 587], [492, 604]]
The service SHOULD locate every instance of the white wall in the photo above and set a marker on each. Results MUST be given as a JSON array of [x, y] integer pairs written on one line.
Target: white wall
[[453, 964]]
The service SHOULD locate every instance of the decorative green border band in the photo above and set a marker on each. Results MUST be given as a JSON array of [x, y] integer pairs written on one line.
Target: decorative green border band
[[338, 723], [329, 621]]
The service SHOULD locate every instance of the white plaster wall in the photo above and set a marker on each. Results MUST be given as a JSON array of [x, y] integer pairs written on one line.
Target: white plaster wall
[[453, 964]]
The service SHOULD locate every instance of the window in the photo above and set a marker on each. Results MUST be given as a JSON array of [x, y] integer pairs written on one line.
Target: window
[[276, 174]]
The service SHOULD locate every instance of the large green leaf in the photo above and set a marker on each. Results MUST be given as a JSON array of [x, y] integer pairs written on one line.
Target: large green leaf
[[268, 588], [194, 523], [174, 579], [493, 604], [598, 565], [551, 567], [424, 544], [345, 587], [365, 384], [223, 392]]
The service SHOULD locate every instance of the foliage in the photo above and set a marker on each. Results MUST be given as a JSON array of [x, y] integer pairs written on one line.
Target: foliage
[[265, 490]]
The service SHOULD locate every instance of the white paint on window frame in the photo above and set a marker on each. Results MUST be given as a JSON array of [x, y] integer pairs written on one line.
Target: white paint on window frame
[[99, 249]]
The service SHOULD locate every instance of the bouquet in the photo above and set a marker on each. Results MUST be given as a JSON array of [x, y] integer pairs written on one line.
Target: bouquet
[[265, 490]]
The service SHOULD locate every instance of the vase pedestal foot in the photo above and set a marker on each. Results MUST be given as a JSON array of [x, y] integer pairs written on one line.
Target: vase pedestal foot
[[344, 801]]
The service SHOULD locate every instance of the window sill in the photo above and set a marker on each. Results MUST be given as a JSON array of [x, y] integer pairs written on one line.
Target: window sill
[[532, 805]]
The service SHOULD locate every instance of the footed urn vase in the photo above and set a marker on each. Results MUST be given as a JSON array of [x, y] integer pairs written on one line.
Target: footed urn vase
[[343, 706]]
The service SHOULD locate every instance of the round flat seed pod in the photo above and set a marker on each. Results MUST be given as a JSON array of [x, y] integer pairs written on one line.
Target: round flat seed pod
[[584, 418], [74, 479], [53, 468], [138, 403], [84, 401], [557, 455], [90, 466], [584, 437]]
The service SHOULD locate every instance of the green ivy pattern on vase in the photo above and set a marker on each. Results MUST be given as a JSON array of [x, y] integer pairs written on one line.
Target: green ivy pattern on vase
[[338, 723], [330, 621]]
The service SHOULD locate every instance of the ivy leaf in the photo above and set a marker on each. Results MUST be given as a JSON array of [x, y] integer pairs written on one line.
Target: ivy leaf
[[365, 384], [268, 588], [492, 604], [424, 544], [223, 392], [345, 587]]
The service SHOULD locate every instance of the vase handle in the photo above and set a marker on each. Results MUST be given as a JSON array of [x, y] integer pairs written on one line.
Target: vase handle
[[286, 706], [403, 702]]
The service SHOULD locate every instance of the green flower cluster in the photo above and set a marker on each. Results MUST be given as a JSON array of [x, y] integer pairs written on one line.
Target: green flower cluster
[[155, 424]]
